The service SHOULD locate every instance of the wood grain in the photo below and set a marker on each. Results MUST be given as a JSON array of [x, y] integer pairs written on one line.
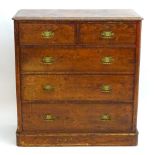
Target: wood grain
[[124, 33], [77, 14], [18, 84], [78, 60], [77, 139], [31, 33], [76, 76], [136, 81], [74, 118], [77, 87]]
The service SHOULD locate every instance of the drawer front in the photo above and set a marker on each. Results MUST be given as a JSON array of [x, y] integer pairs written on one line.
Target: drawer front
[[33, 33], [78, 60], [108, 33], [77, 87], [77, 117]]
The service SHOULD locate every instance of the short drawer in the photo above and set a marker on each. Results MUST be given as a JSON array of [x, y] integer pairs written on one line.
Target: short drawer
[[108, 33], [78, 60], [69, 117], [77, 87], [36, 33]]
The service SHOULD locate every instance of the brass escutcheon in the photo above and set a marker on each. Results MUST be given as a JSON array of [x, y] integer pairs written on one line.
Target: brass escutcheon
[[49, 117], [106, 88], [48, 60], [105, 117], [107, 34], [47, 34], [48, 87], [107, 60]]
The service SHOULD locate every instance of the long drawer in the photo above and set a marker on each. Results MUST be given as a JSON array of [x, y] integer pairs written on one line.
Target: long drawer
[[77, 87], [78, 60], [77, 118]]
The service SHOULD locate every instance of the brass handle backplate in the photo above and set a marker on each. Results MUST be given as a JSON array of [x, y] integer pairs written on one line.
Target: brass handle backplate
[[48, 60], [105, 117], [107, 60], [107, 34], [49, 117], [47, 34], [48, 87], [106, 88]]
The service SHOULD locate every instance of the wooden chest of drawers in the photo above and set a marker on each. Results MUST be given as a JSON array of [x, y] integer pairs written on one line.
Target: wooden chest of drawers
[[77, 77]]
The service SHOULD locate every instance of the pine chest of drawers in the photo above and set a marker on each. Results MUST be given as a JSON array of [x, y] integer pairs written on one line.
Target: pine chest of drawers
[[77, 77]]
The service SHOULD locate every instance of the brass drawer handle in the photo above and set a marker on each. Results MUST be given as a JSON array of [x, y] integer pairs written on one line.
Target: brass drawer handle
[[107, 34], [49, 117], [47, 34], [48, 87], [106, 88], [107, 60], [47, 60], [105, 117]]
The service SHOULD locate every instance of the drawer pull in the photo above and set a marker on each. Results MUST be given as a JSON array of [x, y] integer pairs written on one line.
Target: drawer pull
[[107, 34], [47, 34], [49, 117], [107, 60], [105, 117], [48, 87], [106, 88], [47, 60]]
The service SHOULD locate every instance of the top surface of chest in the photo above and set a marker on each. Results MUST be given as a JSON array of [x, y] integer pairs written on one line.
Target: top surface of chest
[[110, 14]]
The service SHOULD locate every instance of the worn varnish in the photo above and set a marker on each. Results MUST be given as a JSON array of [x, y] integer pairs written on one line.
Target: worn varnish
[[77, 77], [31, 33], [123, 33], [77, 60], [85, 118], [77, 87]]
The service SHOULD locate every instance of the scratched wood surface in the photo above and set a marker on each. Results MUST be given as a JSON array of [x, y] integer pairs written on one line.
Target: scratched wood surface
[[99, 14], [77, 75]]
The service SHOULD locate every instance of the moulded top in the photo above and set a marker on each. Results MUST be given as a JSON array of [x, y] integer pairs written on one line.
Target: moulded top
[[77, 14]]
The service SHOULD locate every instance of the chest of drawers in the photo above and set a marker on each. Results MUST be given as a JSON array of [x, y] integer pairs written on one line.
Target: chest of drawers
[[77, 77]]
